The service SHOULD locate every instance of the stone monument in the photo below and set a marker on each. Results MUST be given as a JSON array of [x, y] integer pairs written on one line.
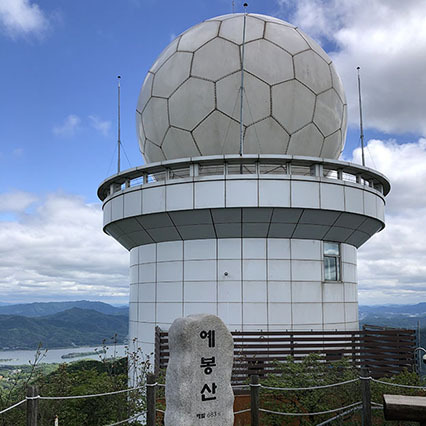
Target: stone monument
[[198, 377]]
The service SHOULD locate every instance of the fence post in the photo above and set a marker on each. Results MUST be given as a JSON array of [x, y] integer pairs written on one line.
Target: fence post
[[254, 397], [157, 350], [366, 396], [32, 406], [150, 399]]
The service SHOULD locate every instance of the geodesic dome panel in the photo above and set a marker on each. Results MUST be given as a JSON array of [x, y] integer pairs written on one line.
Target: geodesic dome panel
[[293, 98]]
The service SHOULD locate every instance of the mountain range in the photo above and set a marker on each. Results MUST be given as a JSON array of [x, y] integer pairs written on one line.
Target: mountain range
[[40, 309], [61, 324], [408, 316], [389, 310], [79, 323]]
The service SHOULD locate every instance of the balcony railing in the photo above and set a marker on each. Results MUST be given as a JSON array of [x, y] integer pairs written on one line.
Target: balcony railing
[[231, 166]]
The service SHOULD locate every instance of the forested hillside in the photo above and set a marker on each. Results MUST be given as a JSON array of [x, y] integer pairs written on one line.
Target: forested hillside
[[73, 327]]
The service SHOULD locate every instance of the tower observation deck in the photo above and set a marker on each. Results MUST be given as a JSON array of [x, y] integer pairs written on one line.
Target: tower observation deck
[[266, 238]]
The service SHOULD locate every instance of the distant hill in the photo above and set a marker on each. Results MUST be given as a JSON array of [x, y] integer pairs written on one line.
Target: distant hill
[[418, 309], [73, 327], [40, 309], [396, 316], [395, 321]]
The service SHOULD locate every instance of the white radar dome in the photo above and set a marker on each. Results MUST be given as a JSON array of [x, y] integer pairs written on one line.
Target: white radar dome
[[293, 98]]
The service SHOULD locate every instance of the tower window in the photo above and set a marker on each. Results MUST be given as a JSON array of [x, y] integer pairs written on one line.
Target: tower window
[[332, 261]]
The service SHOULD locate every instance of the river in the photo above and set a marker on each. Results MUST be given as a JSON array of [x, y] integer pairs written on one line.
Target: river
[[54, 355]]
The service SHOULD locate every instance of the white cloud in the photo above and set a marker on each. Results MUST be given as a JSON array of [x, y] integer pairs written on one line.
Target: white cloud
[[59, 252], [392, 265], [387, 39], [22, 17], [404, 164], [102, 126], [68, 127], [16, 202]]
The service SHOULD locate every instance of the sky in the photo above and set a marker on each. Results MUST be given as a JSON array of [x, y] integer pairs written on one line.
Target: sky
[[59, 63]]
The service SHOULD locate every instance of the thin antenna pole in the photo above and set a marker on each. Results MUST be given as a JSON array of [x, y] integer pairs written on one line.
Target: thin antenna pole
[[233, 6], [118, 127], [242, 82], [360, 117]]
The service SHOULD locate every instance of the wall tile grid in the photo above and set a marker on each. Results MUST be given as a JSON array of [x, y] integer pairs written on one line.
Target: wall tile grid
[[107, 212], [117, 208], [246, 192], [133, 203], [179, 197], [209, 194], [261, 283], [332, 197]]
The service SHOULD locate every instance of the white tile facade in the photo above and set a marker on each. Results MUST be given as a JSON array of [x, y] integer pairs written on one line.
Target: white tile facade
[[231, 191], [251, 283]]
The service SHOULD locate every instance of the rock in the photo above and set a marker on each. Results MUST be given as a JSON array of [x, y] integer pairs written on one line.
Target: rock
[[198, 377]]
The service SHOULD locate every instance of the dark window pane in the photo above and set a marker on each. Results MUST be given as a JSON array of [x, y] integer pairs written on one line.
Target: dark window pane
[[179, 173], [210, 170], [274, 169], [241, 169], [330, 268]]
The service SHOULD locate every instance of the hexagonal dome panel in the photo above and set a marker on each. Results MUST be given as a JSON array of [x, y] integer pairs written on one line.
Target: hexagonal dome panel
[[165, 54], [193, 101], [195, 37], [155, 119], [266, 137], [328, 112], [258, 53], [337, 83], [256, 97], [221, 129], [344, 124], [287, 37], [312, 70], [139, 128], [216, 59], [307, 141], [146, 93], [153, 152], [177, 144], [315, 47], [223, 17], [233, 29], [292, 105], [332, 147], [172, 74], [285, 72], [268, 18]]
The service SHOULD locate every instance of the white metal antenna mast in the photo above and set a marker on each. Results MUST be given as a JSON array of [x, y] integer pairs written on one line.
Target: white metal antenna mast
[[118, 126], [360, 117], [242, 82]]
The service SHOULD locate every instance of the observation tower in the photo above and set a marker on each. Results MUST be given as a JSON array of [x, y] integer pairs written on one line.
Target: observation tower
[[243, 209]]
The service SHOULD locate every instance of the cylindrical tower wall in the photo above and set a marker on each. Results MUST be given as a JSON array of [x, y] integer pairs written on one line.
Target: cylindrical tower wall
[[251, 283], [265, 237], [252, 239]]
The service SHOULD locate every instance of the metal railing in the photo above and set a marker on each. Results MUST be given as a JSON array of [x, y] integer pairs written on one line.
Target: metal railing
[[249, 166], [366, 405]]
